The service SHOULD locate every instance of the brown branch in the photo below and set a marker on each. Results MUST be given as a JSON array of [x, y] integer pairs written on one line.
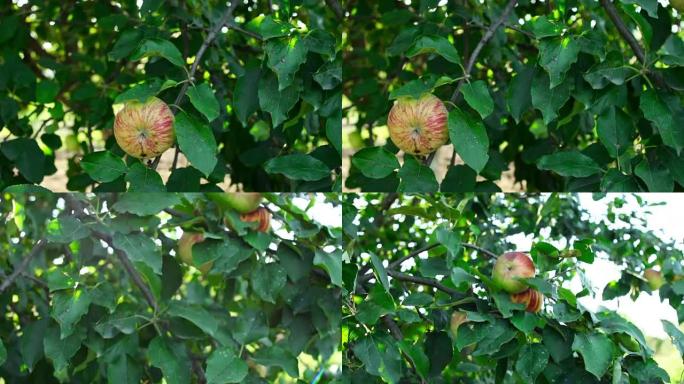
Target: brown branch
[[424, 281], [478, 48], [40, 245], [77, 207], [198, 57], [336, 8]]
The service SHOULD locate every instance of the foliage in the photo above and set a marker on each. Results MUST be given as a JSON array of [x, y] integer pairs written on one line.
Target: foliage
[[263, 105], [99, 295], [564, 94], [413, 261]]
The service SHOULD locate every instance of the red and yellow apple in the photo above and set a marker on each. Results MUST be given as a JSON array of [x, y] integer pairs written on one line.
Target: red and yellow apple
[[655, 278], [185, 244], [241, 202], [418, 126], [261, 215], [532, 299], [509, 268], [144, 130]]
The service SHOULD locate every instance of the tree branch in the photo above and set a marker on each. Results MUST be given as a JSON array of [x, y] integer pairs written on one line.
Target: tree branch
[[424, 281], [198, 57], [40, 245], [483, 41]]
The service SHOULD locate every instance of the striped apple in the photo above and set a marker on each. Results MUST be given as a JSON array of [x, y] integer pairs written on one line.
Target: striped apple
[[144, 130], [510, 268], [261, 215], [532, 299], [418, 126]]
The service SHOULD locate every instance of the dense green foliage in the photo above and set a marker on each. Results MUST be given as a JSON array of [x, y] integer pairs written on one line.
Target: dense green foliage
[[100, 296], [555, 93], [262, 108], [411, 263]]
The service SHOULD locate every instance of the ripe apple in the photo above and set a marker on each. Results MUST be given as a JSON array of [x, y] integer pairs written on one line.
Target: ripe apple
[[678, 5], [261, 215], [241, 202], [144, 130], [509, 268], [418, 126], [532, 299], [654, 278], [185, 250]]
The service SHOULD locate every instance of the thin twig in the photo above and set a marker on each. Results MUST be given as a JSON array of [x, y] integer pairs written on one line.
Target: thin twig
[[483, 41], [424, 281], [40, 245], [198, 57]]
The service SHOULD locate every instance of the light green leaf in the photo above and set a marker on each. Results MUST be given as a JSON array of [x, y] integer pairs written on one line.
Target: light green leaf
[[470, 139], [224, 366], [197, 142], [202, 97], [435, 44], [103, 166], [477, 96], [159, 47]]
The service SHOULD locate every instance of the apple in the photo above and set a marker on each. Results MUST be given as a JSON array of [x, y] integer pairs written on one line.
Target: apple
[[261, 215], [241, 202], [185, 250], [457, 318], [509, 268], [678, 5], [418, 126], [356, 140], [654, 278], [532, 299], [144, 130]]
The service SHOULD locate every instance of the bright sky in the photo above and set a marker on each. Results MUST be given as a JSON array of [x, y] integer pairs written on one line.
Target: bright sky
[[647, 311]]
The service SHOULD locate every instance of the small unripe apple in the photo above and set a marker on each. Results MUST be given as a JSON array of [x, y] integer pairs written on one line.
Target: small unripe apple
[[457, 318], [241, 202], [509, 268], [144, 130], [185, 250], [654, 278], [418, 126], [532, 299], [678, 5], [356, 140], [261, 215]]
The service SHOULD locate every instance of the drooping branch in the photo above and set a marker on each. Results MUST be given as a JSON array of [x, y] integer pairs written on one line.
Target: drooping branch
[[489, 33], [227, 16], [40, 245]]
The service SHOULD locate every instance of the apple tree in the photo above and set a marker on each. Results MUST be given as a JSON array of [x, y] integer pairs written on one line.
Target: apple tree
[[92, 290], [568, 95], [421, 304], [252, 87]]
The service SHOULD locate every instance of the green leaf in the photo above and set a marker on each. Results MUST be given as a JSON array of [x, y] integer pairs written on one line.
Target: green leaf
[[556, 56], [171, 359], [615, 181], [375, 162], [139, 248], [268, 280], [470, 139], [657, 112], [143, 179], [650, 6], [532, 359], [197, 142], [245, 95], [321, 42], [380, 271], [58, 350], [569, 163], [128, 41], [298, 166], [676, 336], [31, 342], [596, 350], [285, 56], [277, 102], [416, 177], [413, 89], [459, 178], [27, 157], [279, 357], [329, 75], [224, 366], [142, 92], [103, 166], [3, 353], [548, 100], [518, 95], [655, 174], [46, 91], [161, 48], [380, 357], [195, 314], [477, 96], [437, 45], [66, 229], [143, 204], [542, 27], [268, 27], [331, 263], [202, 97], [124, 370], [67, 309], [417, 355], [615, 130]]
